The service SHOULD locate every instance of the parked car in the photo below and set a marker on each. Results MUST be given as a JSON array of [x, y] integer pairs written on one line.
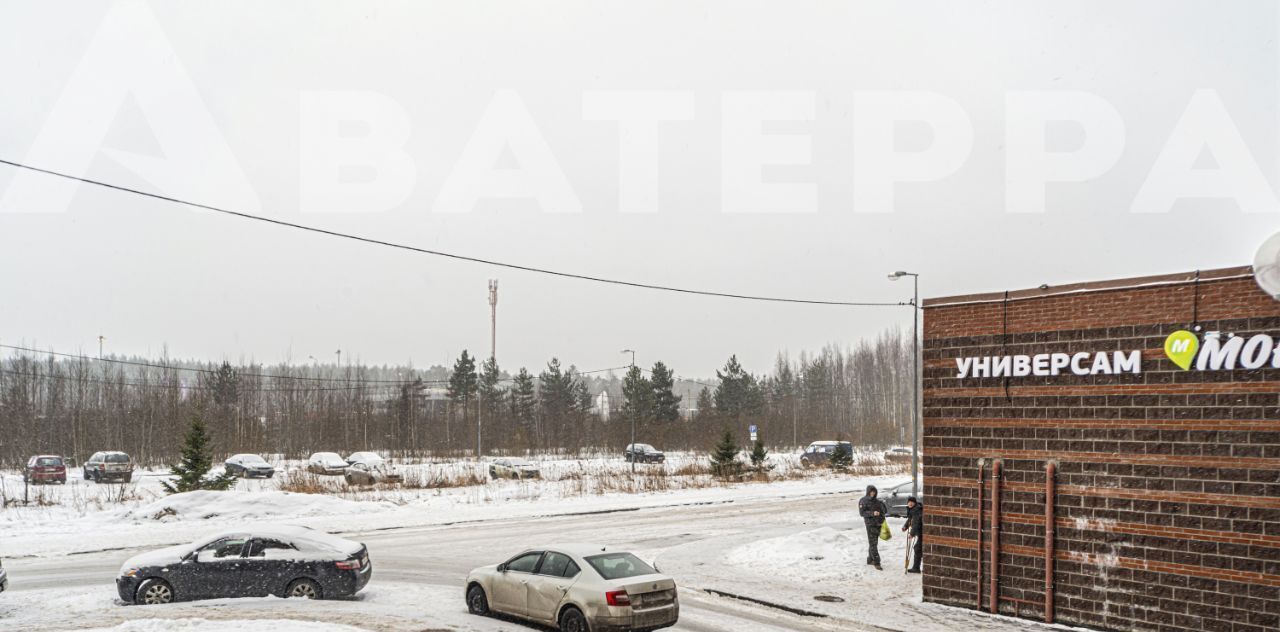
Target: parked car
[[576, 588], [898, 454], [895, 498], [253, 562], [643, 453], [45, 468], [372, 458], [364, 473], [326, 464], [513, 468], [249, 466], [4, 578], [819, 452], [108, 466]]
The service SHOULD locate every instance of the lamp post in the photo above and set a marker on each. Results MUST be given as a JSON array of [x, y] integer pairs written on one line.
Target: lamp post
[[915, 382], [633, 416]]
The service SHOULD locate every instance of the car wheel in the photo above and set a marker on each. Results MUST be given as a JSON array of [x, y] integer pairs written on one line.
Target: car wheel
[[572, 620], [477, 601], [128, 478], [154, 592], [86, 474], [304, 588]]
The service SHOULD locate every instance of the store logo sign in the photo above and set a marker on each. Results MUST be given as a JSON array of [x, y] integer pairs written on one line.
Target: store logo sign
[[1216, 353]]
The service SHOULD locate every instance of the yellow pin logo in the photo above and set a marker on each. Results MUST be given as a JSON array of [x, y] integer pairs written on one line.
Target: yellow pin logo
[[1181, 347]]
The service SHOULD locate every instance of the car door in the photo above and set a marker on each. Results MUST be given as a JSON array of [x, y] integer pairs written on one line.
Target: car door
[[548, 586], [511, 586], [218, 570], [268, 566]]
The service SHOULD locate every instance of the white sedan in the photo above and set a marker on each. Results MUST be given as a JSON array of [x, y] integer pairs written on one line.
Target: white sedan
[[577, 588], [513, 468], [326, 464]]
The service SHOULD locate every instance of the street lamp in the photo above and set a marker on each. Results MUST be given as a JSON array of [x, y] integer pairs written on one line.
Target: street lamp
[[633, 416], [915, 383]]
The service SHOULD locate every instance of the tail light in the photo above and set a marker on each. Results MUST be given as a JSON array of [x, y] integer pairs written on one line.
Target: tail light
[[617, 598], [349, 565]]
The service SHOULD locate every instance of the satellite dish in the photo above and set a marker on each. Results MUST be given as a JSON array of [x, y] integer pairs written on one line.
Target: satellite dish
[[1266, 267]]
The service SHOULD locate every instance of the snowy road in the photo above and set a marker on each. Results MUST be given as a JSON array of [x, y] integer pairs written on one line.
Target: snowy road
[[806, 545], [418, 574]]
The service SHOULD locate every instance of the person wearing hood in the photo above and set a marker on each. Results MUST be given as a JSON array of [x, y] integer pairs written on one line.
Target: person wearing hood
[[915, 525], [872, 510]]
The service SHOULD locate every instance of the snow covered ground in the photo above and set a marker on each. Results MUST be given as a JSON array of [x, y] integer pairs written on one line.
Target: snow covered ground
[[782, 542], [83, 516]]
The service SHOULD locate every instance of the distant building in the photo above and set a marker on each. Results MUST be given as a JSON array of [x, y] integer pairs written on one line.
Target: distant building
[[600, 405]]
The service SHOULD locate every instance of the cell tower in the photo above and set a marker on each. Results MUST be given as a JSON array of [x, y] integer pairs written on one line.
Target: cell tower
[[493, 319]]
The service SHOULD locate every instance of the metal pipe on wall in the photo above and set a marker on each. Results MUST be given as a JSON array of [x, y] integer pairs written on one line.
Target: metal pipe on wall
[[1050, 491], [995, 537], [982, 463]]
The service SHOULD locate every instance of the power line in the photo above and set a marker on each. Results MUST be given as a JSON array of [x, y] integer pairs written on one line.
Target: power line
[[449, 255]]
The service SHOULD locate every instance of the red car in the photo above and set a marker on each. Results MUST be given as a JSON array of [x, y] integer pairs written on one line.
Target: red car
[[45, 468]]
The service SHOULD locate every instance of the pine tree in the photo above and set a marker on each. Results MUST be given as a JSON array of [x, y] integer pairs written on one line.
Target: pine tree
[[706, 406], [637, 396], [524, 400], [196, 462], [463, 384], [666, 404], [758, 454], [841, 457], [724, 458], [738, 394]]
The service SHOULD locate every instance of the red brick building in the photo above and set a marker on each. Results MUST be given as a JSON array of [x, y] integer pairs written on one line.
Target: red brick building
[[1066, 412]]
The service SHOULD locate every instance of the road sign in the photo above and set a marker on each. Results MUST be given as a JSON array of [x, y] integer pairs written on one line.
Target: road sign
[[753, 432]]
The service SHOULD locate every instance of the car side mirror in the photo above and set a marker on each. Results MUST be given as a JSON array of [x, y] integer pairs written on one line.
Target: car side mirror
[[502, 568], [206, 556]]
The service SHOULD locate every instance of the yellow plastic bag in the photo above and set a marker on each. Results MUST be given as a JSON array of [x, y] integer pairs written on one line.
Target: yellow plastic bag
[[884, 531]]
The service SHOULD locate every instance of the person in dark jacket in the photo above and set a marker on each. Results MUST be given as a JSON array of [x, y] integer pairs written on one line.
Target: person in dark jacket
[[915, 525], [872, 510]]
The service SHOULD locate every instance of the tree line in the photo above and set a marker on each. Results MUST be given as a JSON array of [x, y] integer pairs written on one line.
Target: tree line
[[77, 406]]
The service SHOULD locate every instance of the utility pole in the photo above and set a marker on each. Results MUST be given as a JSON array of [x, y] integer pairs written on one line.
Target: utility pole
[[101, 339], [493, 319], [493, 356], [633, 416], [915, 382]]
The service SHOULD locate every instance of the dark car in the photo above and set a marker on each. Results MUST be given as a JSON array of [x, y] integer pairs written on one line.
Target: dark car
[[643, 453], [108, 466], [249, 466], [45, 468], [253, 562], [896, 498], [4, 579], [819, 452]]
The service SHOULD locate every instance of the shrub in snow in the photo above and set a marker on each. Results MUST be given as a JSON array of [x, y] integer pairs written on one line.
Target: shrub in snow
[[724, 458]]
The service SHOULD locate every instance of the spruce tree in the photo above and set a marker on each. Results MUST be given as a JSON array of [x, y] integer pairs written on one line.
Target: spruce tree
[[724, 458], [758, 454], [841, 457], [196, 462], [665, 403]]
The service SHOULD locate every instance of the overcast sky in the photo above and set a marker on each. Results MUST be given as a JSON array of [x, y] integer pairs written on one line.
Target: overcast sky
[[227, 103]]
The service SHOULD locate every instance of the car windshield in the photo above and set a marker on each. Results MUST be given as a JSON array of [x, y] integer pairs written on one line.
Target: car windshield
[[49, 461], [644, 447], [613, 566], [326, 456], [518, 462], [117, 458], [252, 458]]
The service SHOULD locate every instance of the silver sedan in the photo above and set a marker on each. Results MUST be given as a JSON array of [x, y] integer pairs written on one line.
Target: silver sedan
[[577, 588]]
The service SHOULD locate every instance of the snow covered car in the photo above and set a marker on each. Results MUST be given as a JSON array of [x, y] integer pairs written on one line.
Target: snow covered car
[[371, 458], [643, 453], [108, 466], [513, 468], [363, 473], [326, 464], [253, 562], [4, 578], [45, 468], [578, 588], [819, 452], [249, 466]]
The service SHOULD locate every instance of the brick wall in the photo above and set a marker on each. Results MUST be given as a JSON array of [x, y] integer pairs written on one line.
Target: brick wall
[[1168, 482]]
